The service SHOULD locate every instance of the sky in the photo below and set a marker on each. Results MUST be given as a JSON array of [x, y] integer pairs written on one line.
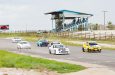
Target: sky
[[29, 14]]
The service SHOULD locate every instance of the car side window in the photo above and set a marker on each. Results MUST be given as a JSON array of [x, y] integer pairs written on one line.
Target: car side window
[[53, 46]]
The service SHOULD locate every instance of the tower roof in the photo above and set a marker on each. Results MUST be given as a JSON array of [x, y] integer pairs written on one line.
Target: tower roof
[[69, 11]]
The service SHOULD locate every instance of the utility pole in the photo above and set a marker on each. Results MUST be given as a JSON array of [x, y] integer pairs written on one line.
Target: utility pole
[[104, 19], [26, 28]]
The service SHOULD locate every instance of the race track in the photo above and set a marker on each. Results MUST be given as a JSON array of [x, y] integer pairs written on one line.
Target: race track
[[106, 57]]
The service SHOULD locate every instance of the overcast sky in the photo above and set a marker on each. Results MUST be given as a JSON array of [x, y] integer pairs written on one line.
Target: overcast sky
[[29, 14]]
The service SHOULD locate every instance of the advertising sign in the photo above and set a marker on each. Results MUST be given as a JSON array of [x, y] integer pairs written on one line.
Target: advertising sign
[[4, 27]]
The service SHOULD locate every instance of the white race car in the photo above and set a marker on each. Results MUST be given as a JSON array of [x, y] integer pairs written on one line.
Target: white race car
[[58, 49], [16, 40], [23, 45]]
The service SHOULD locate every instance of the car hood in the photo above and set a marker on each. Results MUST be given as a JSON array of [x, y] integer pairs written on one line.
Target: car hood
[[63, 48]]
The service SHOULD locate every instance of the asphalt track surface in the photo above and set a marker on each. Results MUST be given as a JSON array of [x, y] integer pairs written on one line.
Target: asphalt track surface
[[106, 57]]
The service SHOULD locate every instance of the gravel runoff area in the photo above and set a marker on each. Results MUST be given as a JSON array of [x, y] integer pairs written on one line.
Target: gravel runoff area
[[92, 69]]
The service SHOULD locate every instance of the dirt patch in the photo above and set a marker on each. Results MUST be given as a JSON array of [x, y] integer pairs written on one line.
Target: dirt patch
[[15, 71]]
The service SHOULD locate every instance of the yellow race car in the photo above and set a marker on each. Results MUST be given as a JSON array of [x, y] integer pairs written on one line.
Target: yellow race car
[[91, 46]]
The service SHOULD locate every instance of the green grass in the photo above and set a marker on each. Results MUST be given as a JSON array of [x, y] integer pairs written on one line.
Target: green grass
[[31, 38], [12, 60], [70, 44]]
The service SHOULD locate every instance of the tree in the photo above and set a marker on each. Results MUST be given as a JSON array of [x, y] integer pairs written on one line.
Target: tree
[[95, 27], [110, 26]]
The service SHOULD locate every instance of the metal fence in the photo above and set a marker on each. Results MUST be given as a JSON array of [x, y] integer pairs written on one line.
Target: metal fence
[[98, 35]]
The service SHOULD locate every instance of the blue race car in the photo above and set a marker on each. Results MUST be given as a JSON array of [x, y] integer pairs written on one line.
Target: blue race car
[[42, 43]]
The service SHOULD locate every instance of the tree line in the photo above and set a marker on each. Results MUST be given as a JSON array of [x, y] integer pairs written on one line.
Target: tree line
[[108, 26]]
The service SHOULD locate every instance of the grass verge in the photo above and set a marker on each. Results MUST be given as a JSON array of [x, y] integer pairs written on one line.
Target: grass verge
[[12, 60]]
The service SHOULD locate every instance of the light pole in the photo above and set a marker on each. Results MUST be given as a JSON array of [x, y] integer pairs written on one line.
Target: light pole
[[26, 27], [104, 19]]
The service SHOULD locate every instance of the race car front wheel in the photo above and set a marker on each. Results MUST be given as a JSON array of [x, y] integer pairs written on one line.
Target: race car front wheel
[[88, 50], [83, 49], [49, 52], [55, 52], [99, 51]]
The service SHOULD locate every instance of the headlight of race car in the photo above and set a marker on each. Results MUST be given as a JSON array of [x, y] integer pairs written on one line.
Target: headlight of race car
[[67, 49], [59, 49], [91, 47], [99, 47]]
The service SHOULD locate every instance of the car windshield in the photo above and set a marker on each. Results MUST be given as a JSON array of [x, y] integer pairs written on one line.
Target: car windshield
[[24, 42], [55, 43], [58, 46], [16, 38], [92, 43], [43, 40]]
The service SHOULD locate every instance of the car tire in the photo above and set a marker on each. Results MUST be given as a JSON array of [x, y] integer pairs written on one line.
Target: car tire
[[88, 50], [41, 45], [50, 52], [18, 47], [55, 52], [37, 44], [83, 49], [99, 51], [68, 53]]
